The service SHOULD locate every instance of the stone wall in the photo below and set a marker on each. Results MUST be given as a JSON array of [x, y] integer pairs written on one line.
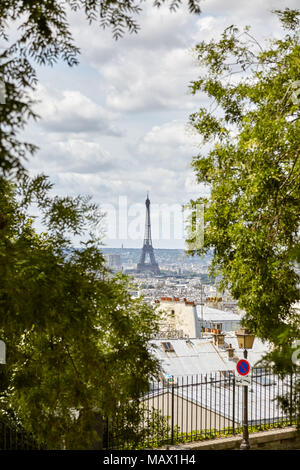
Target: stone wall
[[275, 439]]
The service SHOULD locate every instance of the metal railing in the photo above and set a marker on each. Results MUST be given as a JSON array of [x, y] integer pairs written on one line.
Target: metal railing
[[13, 437], [204, 406]]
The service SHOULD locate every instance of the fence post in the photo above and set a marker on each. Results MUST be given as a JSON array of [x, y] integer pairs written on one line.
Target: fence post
[[297, 398], [291, 399], [172, 413], [233, 406]]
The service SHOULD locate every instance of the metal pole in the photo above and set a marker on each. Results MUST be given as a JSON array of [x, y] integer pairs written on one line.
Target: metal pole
[[291, 399], [245, 445], [172, 432], [233, 408]]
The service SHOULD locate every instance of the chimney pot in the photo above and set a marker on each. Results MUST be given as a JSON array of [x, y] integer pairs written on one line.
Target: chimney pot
[[230, 351]]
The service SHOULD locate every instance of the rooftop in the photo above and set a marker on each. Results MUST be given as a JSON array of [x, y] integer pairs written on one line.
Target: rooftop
[[214, 314], [195, 356]]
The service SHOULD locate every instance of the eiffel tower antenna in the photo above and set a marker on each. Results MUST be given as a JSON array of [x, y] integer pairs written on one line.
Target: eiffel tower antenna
[[147, 246]]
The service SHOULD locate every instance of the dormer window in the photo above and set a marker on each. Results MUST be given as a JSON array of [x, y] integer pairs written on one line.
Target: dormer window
[[168, 347]]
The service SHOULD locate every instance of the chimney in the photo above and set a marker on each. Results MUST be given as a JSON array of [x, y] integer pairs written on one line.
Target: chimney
[[218, 338], [230, 352]]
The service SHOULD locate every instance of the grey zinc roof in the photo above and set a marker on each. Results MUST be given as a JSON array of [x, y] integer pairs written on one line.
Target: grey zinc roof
[[191, 357], [214, 314], [200, 355]]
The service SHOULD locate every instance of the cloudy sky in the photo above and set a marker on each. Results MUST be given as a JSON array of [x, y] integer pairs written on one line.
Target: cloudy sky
[[115, 126]]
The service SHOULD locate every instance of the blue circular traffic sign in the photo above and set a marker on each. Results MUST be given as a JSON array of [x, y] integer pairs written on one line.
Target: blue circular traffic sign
[[243, 367]]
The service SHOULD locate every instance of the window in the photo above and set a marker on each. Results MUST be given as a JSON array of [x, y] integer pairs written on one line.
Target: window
[[168, 347]]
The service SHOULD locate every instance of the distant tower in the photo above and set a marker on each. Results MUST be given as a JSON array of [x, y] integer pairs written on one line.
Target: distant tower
[[147, 246]]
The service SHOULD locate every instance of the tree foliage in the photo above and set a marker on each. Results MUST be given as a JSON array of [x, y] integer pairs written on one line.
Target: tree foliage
[[76, 340], [252, 168]]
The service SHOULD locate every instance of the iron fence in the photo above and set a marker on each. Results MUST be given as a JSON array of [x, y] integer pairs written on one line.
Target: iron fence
[[13, 437], [204, 406]]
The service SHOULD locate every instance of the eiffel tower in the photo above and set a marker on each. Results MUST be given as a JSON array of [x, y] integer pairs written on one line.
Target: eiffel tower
[[147, 246]]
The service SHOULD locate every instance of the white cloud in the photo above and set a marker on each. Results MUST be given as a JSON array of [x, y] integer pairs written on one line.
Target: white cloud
[[69, 111], [243, 9], [148, 71], [170, 145], [152, 81], [173, 133]]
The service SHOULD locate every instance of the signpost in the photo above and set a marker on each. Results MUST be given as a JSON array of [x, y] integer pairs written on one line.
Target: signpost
[[243, 378], [243, 381], [243, 369], [245, 341]]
